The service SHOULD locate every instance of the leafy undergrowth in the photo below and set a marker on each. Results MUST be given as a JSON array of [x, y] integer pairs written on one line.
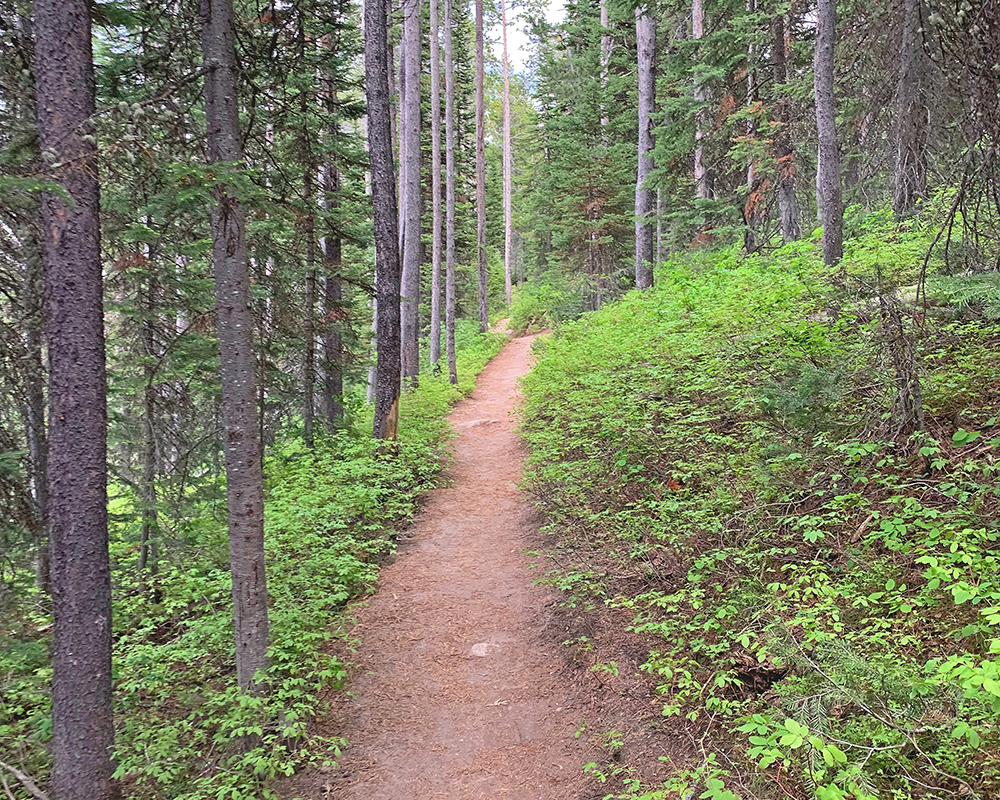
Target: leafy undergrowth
[[816, 592], [182, 725]]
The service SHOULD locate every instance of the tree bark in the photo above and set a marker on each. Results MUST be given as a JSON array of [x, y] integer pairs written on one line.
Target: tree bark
[[410, 180], [333, 295], [82, 723], [34, 387], [484, 311], [826, 123], [449, 137], [388, 271], [309, 323], [436, 233], [784, 155], [911, 116], [508, 212], [701, 187], [242, 437], [645, 29], [605, 60], [148, 533]]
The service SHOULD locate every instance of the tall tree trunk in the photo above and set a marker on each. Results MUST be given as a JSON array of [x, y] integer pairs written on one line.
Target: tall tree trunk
[[826, 124], [309, 323], [911, 116], [484, 311], [701, 187], [148, 535], [436, 233], [508, 213], [605, 60], [410, 179], [333, 295], [242, 438], [82, 724], [784, 155], [449, 169], [388, 272], [645, 30], [34, 387]]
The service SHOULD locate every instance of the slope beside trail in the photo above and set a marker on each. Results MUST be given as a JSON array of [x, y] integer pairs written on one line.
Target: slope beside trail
[[458, 691]]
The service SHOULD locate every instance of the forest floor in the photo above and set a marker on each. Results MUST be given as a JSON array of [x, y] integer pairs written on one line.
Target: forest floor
[[459, 689]]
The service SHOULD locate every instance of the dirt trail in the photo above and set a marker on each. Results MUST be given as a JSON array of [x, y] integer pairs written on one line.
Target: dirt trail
[[459, 695]]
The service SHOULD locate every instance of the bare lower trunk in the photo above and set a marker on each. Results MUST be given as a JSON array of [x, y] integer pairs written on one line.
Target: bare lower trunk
[[484, 313], [449, 136], [148, 534], [645, 29], [911, 116], [784, 155], [826, 124], [508, 214], [436, 233], [388, 272], [410, 180], [309, 323], [82, 724], [34, 388], [701, 187], [241, 436], [333, 339]]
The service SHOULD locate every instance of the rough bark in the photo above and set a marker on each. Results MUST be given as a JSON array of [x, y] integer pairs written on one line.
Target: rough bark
[[784, 155], [148, 545], [333, 295], [701, 187], [508, 213], [241, 435], [82, 725], [436, 233], [309, 323], [645, 30], [449, 166], [828, 178], [484, 312], [410, 181], [388, 272], [34, 389], [911, 115]]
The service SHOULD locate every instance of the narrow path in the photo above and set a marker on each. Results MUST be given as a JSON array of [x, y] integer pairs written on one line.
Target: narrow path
[[459, 694]]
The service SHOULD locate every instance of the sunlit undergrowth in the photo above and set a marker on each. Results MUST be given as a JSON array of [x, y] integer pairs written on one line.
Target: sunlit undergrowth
[[184, 732], [719, 460]]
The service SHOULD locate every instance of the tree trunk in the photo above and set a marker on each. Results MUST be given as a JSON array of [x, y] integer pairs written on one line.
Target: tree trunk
[[435, 346], [309, 323], [82, 724], [148, 533], [484, 312], [34, 388], [645, 30], [388, 272], [605, 60], [701, 187], [826, 124], [242, 438], [508, 213], [333, 295], [449, 165], [410, 181], [911, 116], [784, 155]]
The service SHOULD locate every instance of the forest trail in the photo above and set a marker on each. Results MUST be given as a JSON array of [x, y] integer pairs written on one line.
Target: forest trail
[[459, 692]]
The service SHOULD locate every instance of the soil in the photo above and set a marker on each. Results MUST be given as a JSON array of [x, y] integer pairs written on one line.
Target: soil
[[460, 690]]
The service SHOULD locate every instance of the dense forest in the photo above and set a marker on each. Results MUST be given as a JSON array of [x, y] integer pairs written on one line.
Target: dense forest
[[252, 252]]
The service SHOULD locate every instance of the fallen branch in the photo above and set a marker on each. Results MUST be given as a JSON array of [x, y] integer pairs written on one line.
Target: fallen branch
[[26, 781]]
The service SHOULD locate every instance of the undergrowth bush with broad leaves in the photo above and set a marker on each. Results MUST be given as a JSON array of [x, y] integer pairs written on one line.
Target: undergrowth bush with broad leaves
[[820, 602], [183, 729]]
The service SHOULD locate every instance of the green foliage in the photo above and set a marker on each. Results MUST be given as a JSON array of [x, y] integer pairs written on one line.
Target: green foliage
[[184, 731], [712, 459]]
